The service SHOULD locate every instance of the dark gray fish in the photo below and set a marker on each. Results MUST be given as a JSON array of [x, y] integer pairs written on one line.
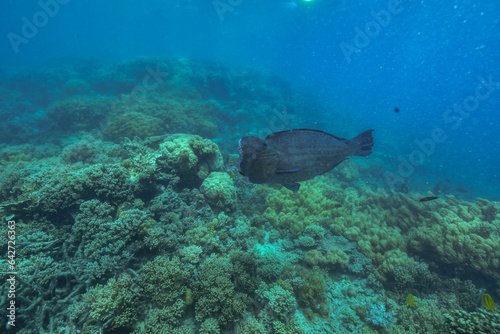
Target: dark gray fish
[[291, 156], [427, 199]]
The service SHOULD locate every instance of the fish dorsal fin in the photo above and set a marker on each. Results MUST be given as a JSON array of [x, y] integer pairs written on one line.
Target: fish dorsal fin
[[285, 132]]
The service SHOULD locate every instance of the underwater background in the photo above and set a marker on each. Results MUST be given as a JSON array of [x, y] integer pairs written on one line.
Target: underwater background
[[123, 210]]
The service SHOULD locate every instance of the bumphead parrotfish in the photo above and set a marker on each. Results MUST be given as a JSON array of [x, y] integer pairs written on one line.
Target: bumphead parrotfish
[[291, 156]]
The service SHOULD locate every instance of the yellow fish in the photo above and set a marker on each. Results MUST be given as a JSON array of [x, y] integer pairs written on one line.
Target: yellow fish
[[409, 300]]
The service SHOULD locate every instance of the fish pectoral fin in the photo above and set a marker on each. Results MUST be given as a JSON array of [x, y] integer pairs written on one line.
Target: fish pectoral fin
[[293, 186], [291, 170]]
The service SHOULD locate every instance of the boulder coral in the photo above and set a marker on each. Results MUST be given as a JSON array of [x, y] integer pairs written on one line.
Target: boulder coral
[[219, 190], [191, 158]]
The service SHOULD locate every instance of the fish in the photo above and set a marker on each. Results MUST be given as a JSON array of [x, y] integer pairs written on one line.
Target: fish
[[291, 156], [427, 199]]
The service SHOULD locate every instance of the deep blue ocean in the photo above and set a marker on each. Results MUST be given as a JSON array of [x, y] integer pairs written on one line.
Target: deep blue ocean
[[121, 126]]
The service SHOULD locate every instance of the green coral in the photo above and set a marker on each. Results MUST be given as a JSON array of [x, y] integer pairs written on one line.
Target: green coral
[[165, 320], [333, 256], [106, 244], [76, 86], [215, 293], [192, 253], [467, 246], [38, 269], [210, 326], [114, 304], [132, 124], [164, 280], [190, 158], [312, 294], [219, 190], [282, 303], [82, 112], [110, 181], [463, 322], [251, 325]]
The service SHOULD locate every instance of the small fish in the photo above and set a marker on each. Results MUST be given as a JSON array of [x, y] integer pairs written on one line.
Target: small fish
[[396, 109], [291, 156], [410, 300], [427, 199]]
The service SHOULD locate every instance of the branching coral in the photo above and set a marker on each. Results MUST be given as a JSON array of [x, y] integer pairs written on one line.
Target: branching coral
[[281, 302], [104, 244], [164, 280], [113, 304], [215, 294], [165, 320]]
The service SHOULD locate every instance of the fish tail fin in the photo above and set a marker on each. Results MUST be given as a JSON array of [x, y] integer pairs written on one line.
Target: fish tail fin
[[362, 144]]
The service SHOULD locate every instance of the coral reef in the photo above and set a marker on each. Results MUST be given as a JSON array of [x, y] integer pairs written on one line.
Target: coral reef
[[131, 217]]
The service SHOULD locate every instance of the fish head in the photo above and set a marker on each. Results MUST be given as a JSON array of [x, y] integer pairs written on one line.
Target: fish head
[[249, 148]]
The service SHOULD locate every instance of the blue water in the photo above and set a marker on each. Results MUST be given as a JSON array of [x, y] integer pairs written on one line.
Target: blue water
[[423, 58]]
